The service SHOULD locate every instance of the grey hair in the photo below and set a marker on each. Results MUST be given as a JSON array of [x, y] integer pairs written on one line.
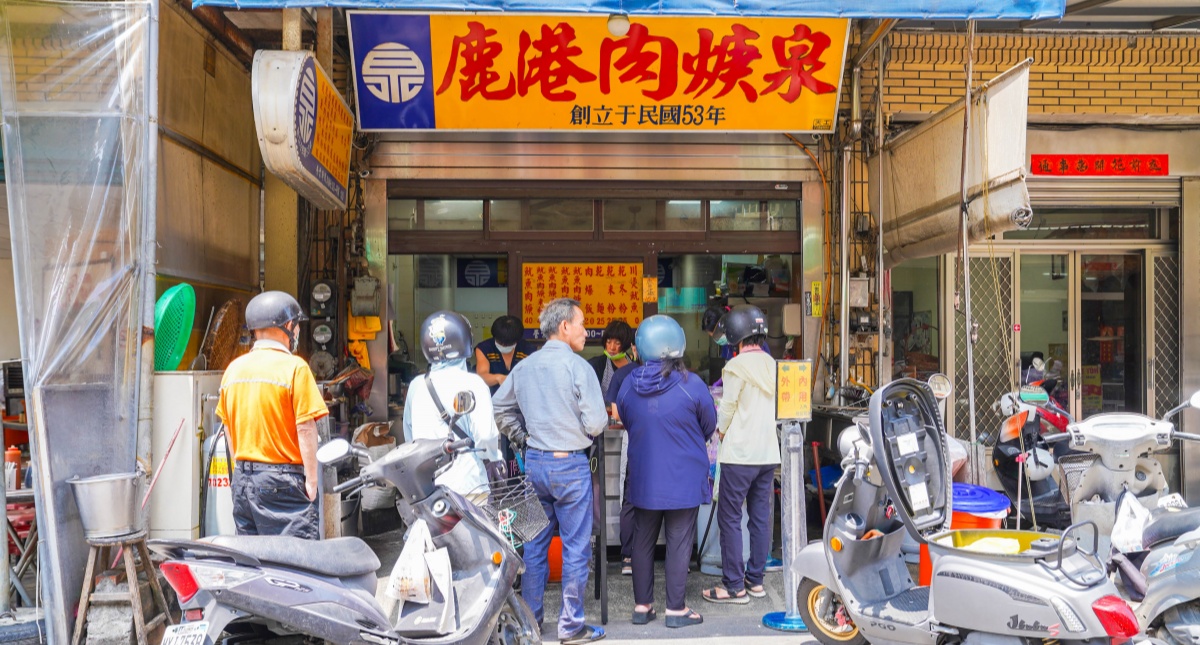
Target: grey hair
[[555, 313]]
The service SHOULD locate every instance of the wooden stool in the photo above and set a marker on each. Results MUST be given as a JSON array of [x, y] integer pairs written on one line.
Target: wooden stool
[[100, 551]]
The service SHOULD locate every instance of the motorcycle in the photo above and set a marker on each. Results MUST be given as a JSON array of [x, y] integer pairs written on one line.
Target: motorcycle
[[1023, 465], [1120, 487], [993, 587], [250, 588]]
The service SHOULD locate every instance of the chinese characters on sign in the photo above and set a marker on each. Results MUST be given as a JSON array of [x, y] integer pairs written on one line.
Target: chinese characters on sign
[[452, 71], [607, 291], [793, 390], [1099, 165]]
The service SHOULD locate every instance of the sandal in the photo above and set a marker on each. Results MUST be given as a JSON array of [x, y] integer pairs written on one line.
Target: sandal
[[711, 596], [587, 634], [757, 591], [643, 617], [627, 567], [683, 620]]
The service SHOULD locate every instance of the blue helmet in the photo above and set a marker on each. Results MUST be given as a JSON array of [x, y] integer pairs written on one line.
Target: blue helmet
[[660, 337]]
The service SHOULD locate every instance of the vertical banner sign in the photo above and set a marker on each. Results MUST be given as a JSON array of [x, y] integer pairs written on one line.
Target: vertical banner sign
[[793, 390], [607, 292], [304, 127], [816, 299], [569, 72], [649, 289]]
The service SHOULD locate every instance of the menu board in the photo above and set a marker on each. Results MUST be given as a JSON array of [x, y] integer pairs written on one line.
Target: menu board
[[607, 291]]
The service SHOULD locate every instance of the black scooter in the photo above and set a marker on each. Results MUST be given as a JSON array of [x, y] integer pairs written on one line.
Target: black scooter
[[251, 589], [1021, 459]]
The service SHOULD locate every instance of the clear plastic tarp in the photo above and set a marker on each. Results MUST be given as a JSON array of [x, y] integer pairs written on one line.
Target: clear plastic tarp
[[76, 94]]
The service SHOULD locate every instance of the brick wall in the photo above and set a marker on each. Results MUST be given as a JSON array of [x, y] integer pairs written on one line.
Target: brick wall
[[1075, 74]]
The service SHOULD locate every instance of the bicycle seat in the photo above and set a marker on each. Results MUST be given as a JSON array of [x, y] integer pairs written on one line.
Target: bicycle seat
[[342, 557]]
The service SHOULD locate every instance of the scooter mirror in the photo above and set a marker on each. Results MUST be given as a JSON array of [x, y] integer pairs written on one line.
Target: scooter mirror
[[1195, 400], [333, 452], [941, 386], [464, 402]]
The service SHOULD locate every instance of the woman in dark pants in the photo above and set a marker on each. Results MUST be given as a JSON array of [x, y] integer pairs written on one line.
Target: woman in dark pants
[[669, 416]]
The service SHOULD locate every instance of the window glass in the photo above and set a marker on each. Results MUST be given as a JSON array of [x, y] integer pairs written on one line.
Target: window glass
[[541, 214], [651, 215], [745, 215], [1088, 224], [915, 319], [402, 214], [453, 215]]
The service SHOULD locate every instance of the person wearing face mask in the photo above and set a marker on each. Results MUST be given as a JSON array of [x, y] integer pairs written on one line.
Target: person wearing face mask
[[498, 355], [617, 339], [270, 404]]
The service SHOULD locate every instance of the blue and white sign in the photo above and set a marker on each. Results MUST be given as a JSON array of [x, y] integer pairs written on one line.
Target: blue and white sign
[[479, 273], [394, 60]]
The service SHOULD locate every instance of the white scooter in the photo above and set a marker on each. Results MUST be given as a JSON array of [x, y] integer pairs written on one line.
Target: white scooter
[[990, 587]]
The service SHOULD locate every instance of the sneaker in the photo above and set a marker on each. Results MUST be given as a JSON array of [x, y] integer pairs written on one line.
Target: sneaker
[[627, 567], [774, 564]]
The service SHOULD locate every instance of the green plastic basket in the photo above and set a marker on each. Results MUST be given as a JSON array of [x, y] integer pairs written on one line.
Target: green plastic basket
[[174, 315]]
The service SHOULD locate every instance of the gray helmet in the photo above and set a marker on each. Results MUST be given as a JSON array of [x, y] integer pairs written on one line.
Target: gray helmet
[[660, 337], [445, 336], [742, 322], [272, 309]]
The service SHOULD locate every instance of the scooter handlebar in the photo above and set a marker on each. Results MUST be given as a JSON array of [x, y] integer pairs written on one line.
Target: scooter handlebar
[[353, 482], [1186, 436], [1062, 436], [460, 445]]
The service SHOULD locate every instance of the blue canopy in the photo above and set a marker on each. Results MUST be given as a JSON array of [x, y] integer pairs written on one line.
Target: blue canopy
[[913, 9]]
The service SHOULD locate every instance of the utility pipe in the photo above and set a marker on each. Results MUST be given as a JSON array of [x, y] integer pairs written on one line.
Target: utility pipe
[[885, 27], [148, 239], [968, 326], [844, 308]]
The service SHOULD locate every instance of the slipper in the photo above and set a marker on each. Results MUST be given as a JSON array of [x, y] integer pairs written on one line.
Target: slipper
[[683, 620], [627, 567], [587, 634], [643, 617], [757, 592], [711, 596]]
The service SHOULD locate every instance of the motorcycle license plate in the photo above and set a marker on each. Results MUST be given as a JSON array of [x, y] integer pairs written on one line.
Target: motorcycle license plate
[[186, 634]]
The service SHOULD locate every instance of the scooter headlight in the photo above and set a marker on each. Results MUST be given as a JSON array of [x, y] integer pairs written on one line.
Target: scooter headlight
[[1069, 618]]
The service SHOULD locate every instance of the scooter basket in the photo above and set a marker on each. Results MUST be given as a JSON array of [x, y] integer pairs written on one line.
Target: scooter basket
[[1072, 467], [514, 506]]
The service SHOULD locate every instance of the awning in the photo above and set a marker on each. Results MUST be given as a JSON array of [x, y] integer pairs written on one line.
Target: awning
[[909, 9]]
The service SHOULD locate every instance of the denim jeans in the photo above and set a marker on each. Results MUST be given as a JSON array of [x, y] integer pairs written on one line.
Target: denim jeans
[[564, 485]]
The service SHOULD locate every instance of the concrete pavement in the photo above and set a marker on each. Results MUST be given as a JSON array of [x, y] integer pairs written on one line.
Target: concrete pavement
[[721, 622]]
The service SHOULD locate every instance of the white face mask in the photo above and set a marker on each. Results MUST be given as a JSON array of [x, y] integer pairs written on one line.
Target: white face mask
[[505, 349]]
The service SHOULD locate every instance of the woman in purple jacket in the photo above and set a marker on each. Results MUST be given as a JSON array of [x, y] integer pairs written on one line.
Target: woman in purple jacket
[[669, 416]]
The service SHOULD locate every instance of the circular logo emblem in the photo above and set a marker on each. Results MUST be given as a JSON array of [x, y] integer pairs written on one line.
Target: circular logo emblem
[[306, 106], [394, 73], [477, 273], [437, 330]]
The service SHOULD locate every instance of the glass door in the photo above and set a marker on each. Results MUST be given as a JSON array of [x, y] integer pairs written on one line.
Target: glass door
[[1111, 321], [1046, 332]]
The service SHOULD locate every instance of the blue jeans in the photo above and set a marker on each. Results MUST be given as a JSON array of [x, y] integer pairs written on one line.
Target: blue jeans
[[564, 485]]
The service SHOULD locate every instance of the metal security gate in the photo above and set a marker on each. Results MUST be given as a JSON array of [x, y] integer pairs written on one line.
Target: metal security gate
[[995, 373], [1163, 306]]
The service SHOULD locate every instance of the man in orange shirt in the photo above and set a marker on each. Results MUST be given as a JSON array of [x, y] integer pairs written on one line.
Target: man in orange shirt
[[270, 403]]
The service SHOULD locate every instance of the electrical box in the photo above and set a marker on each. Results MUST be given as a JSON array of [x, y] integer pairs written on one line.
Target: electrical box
[[860, 292], [793, 319], [188, 398]]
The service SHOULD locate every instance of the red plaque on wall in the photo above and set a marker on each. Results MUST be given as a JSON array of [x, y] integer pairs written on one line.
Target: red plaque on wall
[[1099, 165]]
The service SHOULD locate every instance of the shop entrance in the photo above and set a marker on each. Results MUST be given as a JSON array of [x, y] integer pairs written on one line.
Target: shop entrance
[[1083, 329]]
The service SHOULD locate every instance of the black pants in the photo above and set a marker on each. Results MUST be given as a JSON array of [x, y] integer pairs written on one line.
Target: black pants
[[681, 534], [626, 521]]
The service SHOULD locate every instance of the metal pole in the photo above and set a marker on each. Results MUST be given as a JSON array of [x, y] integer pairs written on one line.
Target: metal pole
[[844, 307], [884, 369], [149, 245], [964, 224], [793, 528], [293, 30], [5, 607]]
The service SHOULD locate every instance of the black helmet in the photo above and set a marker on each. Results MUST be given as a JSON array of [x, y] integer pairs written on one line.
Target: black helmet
[[272, 309], [742, 322], [445, 336]]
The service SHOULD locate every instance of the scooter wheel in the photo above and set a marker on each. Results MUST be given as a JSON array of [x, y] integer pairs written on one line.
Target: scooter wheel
[[826, 617]]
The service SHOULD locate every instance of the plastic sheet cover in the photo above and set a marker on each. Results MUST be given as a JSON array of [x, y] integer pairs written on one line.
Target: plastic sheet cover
[[916, 9], [75, 93]]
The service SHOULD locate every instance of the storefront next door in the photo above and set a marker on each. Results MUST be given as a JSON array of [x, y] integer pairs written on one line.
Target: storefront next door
[[1083, 314]]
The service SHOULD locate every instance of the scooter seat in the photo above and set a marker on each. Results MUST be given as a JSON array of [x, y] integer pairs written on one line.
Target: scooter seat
[[338, 557], [1167, 524]]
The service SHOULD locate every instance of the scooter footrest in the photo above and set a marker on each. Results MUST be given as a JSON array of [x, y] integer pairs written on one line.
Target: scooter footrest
[[908, 607]]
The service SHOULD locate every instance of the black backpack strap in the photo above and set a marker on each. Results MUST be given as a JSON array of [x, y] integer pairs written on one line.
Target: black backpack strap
[[446, 418]]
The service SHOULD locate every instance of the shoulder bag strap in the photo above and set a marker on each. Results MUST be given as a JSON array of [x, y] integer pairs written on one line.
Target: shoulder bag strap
[[450, 421]]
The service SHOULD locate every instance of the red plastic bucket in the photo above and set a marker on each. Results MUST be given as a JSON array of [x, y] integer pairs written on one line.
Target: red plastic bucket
[[975, 507]]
